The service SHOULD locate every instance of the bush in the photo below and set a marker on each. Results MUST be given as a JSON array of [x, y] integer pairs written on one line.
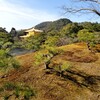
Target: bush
[[86, 36], [20, 91], [6, 97], [15, 64], [7, 62], [45, 55], [28, 93], [52, 40], [65, 65], [60, 66], [9, 86], [42, 57]]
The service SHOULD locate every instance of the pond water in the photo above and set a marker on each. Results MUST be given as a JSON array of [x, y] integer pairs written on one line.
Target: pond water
[[19, 51]]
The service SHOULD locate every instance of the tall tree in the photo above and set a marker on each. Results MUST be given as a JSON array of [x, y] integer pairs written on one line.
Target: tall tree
[[13, 32]]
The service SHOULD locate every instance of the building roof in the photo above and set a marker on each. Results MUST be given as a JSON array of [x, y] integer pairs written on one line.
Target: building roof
[[33, 29]]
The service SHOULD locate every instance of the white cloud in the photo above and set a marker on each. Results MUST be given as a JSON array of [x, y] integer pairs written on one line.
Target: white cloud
[[20, 16]]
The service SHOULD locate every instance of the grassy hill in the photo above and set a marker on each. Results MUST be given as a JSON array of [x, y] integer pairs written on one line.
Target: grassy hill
[[81, 81]]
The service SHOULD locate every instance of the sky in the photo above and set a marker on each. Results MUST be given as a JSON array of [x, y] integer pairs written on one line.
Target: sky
[[23, 14]]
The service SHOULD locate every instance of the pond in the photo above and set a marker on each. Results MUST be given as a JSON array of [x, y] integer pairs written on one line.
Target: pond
[[19, 51]]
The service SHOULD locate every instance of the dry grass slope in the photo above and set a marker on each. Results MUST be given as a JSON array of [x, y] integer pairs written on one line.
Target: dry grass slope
[[80, 82]]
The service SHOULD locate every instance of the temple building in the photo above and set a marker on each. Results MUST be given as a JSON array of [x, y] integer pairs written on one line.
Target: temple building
[[31, 32]]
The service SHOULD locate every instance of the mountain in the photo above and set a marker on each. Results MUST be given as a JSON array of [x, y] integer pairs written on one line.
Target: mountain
[[53, 25]]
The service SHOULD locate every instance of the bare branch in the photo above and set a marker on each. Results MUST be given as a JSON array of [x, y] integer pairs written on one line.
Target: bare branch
[[95, 1], [92, 8]]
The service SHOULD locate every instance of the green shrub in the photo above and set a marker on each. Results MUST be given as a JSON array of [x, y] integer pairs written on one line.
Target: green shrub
[[15, 64], [86, 36], [51, 41], [18, 90], [42, 57], [66, 65], [9, 86], [1, 89], [7, 62], [28, 93], [62, 66], [6, 97]]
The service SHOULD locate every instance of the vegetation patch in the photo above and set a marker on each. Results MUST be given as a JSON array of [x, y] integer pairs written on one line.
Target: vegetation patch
[[7, 62], [17, 91]]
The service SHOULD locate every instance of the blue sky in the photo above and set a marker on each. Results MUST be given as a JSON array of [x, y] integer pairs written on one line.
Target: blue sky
[[27, 13]]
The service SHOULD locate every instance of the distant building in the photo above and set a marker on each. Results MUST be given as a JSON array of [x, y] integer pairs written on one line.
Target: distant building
[[31, 32]]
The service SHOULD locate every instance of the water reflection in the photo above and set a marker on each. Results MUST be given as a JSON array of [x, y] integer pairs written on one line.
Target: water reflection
[[19, 51]]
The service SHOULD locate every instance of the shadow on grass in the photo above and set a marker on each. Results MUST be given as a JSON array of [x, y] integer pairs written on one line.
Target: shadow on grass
[[82, 79]]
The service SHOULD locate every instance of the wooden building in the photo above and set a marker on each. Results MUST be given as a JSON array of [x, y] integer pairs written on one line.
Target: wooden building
[[30, 32]]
